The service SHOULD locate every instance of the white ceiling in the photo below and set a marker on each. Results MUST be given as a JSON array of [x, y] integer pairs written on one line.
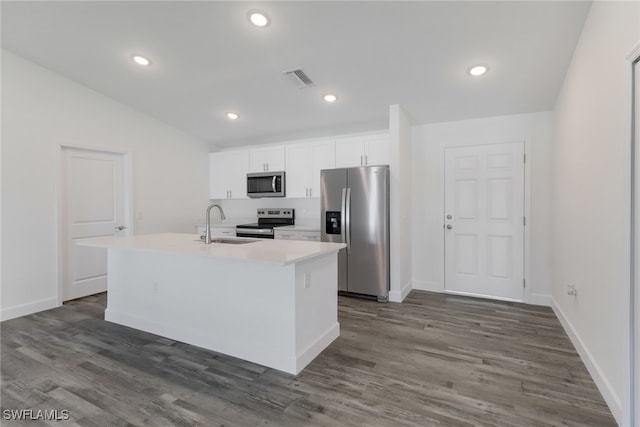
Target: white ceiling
[[208, 59]]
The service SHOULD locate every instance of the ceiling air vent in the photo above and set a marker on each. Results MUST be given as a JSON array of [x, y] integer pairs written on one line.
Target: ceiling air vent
[[299, 78]]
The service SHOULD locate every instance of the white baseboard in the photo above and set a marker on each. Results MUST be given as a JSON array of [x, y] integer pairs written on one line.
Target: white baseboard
[[610, 396], [424, 285], [399, 296], [539, 299], [29, 308], [315, 348]]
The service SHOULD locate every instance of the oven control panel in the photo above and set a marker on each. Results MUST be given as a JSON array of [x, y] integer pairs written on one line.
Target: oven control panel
[[286, 213]]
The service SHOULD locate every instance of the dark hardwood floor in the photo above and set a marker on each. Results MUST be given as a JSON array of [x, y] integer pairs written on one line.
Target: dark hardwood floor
[[433, 360]]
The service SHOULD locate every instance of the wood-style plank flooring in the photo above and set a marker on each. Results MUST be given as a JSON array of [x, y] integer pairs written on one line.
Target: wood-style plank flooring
[[435, 360]]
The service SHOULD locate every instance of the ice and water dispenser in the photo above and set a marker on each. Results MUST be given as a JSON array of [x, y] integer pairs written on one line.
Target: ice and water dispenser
[[333, 225]]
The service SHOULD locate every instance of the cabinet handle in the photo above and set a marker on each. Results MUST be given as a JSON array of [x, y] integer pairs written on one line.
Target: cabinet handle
[[230, 194], [360, 160], [366, 160], [310, 192], [307, 192]]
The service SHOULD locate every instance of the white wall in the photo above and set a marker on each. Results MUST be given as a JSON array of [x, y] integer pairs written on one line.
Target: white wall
[[591, 176], [400, 203], [42, 111], [307, 210], [428, 144]]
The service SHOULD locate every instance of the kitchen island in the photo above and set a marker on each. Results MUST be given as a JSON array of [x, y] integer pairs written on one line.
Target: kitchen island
[[271, 302]]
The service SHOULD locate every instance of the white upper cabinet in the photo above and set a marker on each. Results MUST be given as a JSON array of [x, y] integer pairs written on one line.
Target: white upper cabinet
[[323, 156], [267, 159], [376, 149], [228, 174], [365, 150], [349, 152], [304, 162], [298, 170]]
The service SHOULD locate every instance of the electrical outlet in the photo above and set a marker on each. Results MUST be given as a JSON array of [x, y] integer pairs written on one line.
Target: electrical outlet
[[571, 290]]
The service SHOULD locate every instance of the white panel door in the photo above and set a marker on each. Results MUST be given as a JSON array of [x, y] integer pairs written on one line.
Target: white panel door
[[94, 203], [484, 220]]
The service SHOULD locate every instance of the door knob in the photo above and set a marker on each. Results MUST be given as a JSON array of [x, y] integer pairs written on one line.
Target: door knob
[[449, 217], [120, 227], [449, 226]]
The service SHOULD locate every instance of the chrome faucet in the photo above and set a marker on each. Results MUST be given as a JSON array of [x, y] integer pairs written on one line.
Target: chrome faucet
[[207, 233]]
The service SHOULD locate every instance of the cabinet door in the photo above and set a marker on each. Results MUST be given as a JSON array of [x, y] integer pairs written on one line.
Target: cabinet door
[[228, 174], [349, 152], [237, 169], [376, 149], [323, 156], [218, 179], [298, 161], [297, 235], [267, 159]]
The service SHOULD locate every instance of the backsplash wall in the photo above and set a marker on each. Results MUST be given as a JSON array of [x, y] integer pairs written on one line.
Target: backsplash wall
[[307, 210]]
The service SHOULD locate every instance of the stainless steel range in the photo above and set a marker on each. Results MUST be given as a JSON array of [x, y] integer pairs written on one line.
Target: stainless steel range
[[268, 219]]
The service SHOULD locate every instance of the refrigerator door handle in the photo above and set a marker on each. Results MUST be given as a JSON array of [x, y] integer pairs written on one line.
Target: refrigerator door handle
[[348, 220], [343, 214]]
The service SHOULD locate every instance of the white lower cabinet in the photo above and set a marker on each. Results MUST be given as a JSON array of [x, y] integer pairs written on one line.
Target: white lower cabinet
[[313, 236]]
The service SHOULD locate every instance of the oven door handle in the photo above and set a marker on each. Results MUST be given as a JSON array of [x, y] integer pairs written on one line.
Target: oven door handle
[[254, 231]]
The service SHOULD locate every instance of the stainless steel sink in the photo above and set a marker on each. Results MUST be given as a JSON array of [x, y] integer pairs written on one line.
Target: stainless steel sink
[[233, 241], [230, 241]]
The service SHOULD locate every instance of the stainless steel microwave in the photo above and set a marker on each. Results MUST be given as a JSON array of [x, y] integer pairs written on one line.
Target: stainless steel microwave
[[265, 184]]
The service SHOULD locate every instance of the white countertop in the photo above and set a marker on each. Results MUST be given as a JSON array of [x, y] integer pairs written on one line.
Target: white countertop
[[264, 250]]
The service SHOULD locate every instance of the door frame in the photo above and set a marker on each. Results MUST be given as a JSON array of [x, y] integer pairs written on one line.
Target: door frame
[[528, 296], [127, 168], [631, 400]]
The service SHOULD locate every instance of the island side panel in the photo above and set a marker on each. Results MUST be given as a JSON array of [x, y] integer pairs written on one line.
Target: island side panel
[[316, 302], [241, 308]]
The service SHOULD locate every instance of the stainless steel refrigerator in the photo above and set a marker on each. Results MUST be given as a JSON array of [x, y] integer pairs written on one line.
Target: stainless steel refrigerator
[[354, 208]]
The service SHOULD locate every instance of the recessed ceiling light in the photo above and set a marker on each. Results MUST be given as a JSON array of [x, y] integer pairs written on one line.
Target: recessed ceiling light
[[141, 60], [259, 19], [478, 70], [330, 98], [232, 116]]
